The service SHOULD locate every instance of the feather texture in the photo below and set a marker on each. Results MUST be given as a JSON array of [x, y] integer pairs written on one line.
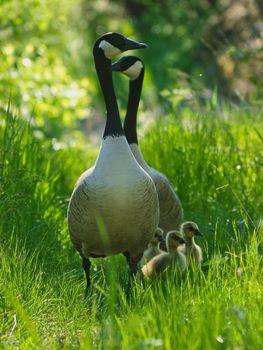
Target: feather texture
[[114, 206], [171, 211], [173, 258]]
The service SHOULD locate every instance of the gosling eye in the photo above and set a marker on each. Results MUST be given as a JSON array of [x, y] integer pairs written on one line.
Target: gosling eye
[[161, 239]]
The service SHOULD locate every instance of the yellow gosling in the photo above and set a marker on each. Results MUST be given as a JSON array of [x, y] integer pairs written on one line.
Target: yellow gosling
[[164, 260], [193, 252], [153, 248]]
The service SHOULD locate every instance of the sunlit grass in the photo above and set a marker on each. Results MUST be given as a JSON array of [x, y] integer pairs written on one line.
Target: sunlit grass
[[215, 162]]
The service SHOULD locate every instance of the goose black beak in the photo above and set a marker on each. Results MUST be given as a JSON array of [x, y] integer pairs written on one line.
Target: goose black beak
[[182, 241], [198, 233], [132, 45]]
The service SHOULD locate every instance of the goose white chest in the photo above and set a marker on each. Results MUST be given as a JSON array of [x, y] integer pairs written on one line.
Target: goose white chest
[[114, 206]]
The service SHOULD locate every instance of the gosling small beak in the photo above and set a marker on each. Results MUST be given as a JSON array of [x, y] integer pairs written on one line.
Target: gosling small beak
[[161, 239], [132, 45], [116, 67], [198, 233], [182, 241]]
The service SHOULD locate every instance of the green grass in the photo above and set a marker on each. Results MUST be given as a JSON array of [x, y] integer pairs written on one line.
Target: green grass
[[215, 161]]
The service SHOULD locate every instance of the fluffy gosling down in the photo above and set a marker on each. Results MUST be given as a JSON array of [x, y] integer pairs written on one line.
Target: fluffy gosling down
[[153, 248], [164, 260], [193, 252]]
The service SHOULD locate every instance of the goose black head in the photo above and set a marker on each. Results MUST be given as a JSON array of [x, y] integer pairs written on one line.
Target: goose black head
[[190, 229], [174, 239], [129, 65], [113, 44]]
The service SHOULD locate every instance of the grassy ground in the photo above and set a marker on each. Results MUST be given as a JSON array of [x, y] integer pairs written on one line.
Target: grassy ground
[[215, 161]]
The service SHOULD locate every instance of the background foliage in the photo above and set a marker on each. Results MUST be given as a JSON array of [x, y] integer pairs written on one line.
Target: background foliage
[[46, 63]]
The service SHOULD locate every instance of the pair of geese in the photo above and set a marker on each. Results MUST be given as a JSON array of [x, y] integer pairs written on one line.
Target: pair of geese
[[117, 205]]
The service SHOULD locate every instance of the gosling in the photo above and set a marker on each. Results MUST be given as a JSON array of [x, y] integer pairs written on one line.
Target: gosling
[[164, 260], [153, 248], [193, 252]]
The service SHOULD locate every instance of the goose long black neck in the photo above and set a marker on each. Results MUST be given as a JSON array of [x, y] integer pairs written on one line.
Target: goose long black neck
[[113, 125], [130, 123]]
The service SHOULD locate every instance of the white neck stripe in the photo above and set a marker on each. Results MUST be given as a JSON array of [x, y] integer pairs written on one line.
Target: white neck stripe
[[109, 50], [134, 71]]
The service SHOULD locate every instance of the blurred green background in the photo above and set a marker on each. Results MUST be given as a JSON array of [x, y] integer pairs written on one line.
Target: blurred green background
[[199, 50]]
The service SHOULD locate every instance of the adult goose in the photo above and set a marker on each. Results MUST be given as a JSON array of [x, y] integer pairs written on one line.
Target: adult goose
[[171, 212], [114, 205]]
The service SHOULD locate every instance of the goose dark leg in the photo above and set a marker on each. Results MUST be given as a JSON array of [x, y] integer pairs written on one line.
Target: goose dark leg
[[133, 263], [86, 266], [131, 275]]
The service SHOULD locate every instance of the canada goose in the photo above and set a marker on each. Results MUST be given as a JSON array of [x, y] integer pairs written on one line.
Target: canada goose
[[114, 205], [172, 258], [171, 212], [190, 229]]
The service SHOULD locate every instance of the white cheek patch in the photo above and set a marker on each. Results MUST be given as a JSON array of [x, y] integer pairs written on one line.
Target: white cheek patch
[[109, 50], [134, 71]]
